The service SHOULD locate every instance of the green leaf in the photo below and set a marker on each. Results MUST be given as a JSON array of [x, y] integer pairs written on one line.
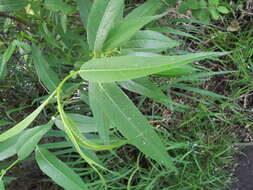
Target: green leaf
[[45, 73], [25, 122], [200, 91], [146, 9], [130, 122], [84, 123], [214, 13], [5, 58], [1, 184], [84, 10], [146, 88], [129, 67], [29, 139], [150, 41], [125, 30], [213, 3], [64, 22], [102, 17], [58, 171], [59, 5], [174, 31], [102, 122], [8, 147], [3, 123], [178, 71], [223, 10], [12, 5]]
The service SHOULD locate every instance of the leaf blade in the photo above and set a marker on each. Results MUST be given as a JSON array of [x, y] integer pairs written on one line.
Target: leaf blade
[[58, 171], [130, 122], [29, 139], [129, 67], [103, 15]]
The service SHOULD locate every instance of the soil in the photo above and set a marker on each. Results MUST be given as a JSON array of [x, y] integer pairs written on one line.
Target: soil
[[244, 170]]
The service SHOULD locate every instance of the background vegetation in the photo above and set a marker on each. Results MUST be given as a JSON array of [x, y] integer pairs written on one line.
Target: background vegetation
[[201, 112]]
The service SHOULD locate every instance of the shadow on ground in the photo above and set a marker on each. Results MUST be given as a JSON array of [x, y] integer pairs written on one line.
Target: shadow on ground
[[244, 170]]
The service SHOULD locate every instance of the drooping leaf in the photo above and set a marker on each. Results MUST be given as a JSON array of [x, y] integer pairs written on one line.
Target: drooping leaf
[[29, 139], [25, 122], [102, 17], [130, 122], [150, 41], [129, 67], [58, 171], [125, 30], [5, 58], [84, 10], [45, 73], [12, 5], [146, 9], [7, 148]]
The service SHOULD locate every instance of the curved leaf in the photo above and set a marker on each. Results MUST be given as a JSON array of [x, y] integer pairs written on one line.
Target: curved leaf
[[58, 171], [45, 73], [25, 122], [129, 67]]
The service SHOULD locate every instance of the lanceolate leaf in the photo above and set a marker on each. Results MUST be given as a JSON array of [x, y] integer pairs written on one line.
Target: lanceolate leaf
[[129, 67], [130, 122], [58, 171], [102, 17], [26, 122], [45, 73], [29, 139], [5, 58], [126, 29], [146, 9], [11, 5], [150, 41]]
